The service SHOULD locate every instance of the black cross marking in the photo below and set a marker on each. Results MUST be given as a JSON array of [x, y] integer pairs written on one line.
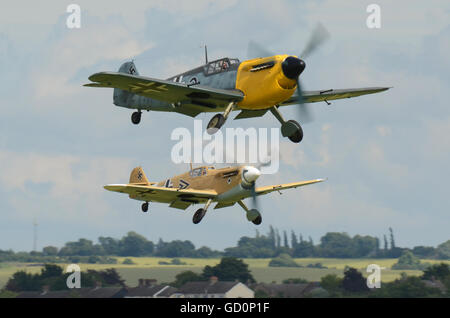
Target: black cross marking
[[169, 184], [183, 184]]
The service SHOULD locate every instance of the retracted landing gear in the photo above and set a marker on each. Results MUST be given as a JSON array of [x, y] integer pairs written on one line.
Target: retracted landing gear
[[144, 207], [219, 120], [290, 128], [136, 117], [200, 213], [253, 215]]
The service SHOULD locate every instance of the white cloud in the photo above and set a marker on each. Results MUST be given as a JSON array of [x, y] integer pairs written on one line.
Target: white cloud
[[437, 145], [392, 172], [319, 153], [293, 156], [363, 145], [384, 131], [336, 207], [51, 184], [81, 48], [398, 19]]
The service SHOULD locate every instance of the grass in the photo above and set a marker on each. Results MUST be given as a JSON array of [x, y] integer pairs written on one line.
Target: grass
[[148, 267]]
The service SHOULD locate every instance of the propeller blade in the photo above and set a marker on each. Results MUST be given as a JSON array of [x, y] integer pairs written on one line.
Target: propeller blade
[[256, 50], [254, 200], [304, 112], [318, 37]]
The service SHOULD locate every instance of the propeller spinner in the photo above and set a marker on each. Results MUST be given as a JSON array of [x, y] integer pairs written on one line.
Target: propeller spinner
[[292, 67]]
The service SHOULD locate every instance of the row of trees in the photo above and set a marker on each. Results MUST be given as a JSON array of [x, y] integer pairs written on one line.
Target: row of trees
[[132, 244], [354, 284], [229, 269], [332, 244], [53, 276]]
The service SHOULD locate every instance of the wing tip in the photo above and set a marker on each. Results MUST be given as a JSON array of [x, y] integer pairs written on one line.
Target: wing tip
[[114, 187], [382, 89]]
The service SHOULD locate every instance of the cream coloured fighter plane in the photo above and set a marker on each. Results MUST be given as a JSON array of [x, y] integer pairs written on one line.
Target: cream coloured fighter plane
[[206, 185]]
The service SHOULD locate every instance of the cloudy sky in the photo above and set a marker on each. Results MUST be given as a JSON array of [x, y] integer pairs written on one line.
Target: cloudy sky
[[385, 156]]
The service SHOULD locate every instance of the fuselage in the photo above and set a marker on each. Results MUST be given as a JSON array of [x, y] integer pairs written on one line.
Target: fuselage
[[262, 81], [231, 183], [218, 180]]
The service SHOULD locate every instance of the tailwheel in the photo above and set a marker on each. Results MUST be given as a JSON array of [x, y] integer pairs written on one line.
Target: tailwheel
[[198, 216], [292, 130], [144, 207], [215, 123], [136, 117]]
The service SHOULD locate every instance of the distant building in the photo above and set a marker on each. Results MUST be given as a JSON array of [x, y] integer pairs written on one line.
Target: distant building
[[215, 289], [96, 292], [148, 288]]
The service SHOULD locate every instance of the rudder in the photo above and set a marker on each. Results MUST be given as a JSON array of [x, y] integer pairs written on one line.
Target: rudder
[[121, 97], [138, 176]]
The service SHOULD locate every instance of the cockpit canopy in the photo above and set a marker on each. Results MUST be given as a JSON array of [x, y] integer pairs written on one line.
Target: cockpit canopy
[[221, 65], [201, 171]]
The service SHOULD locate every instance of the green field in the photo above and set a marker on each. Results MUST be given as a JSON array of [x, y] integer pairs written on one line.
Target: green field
[[148, 267]]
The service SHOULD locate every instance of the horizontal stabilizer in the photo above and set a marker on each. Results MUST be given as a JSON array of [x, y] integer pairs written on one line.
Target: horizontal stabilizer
[[98, 85]]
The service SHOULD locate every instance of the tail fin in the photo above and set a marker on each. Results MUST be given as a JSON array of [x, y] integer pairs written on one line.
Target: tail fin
[[138, 176], [121, 97]]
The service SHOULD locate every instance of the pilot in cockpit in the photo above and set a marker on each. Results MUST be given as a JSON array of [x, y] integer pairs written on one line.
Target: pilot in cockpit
[[224, 65]]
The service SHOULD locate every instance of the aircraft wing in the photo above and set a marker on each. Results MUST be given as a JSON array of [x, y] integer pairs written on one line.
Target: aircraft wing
[[166, 91], [330, 94], [178, 198], [271, 188]]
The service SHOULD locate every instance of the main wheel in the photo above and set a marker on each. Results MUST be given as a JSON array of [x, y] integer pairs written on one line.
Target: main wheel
[[258, 220], [136, 117], [198, 216], [252, 214], [144, 207], [297, 136], [215, 123]]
